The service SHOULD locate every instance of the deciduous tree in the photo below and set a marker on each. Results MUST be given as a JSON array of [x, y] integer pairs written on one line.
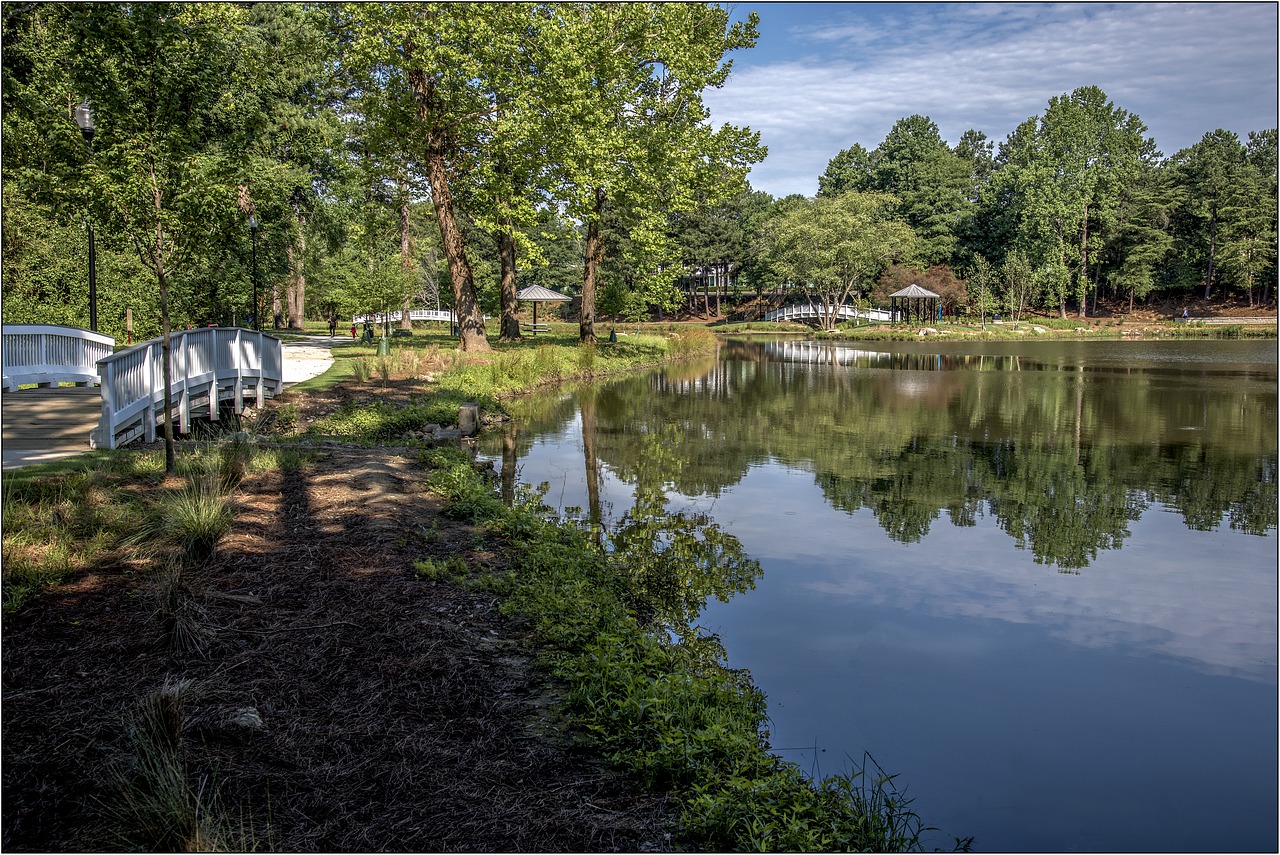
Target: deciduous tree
[[836, 247]]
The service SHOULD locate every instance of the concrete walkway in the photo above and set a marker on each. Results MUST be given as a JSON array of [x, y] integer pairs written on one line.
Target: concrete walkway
[[37, 427]]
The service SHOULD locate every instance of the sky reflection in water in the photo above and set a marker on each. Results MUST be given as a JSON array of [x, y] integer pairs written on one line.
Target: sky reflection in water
[[1125, 704]]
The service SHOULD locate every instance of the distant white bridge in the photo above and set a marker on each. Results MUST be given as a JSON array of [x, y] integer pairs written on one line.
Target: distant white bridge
[[814, 313], [446, 315]]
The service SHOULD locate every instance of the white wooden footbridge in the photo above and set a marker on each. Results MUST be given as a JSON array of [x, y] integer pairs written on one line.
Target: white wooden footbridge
[[117, 397], [812, 313]]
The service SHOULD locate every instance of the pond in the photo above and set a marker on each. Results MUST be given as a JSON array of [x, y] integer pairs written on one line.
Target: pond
[[1035, 580]]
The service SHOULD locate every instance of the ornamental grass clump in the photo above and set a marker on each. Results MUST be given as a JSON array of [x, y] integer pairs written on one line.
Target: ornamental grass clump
[[157, 804], [192, 520], [182, 617]]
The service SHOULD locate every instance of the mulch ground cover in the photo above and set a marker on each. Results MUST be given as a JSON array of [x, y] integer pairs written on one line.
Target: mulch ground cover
[[334, 700]]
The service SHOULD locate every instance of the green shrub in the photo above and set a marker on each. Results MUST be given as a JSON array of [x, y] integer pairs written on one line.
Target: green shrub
[[453, 567], [664, 706]]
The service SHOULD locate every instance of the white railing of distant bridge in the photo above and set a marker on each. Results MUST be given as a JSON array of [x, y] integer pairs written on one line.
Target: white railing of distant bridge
[[47, 354], [814, 312], [414, 315], [207, 365], [822, 353]]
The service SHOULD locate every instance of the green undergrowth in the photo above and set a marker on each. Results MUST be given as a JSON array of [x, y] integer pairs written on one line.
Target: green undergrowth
[[119, 511], [520, 367], [113, 506], [61, 520], [1051, 328], [512, 369], [1196, 329], [662, 705], [380, 421]]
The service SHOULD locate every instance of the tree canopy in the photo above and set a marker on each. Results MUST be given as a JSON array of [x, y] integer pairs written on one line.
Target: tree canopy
[[481, 147]]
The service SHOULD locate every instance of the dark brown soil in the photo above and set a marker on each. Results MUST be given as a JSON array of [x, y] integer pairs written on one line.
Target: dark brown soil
[[338, 702]]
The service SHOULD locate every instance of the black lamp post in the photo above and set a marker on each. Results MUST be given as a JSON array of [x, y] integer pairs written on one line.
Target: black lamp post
[[253, 229], [84, 118]]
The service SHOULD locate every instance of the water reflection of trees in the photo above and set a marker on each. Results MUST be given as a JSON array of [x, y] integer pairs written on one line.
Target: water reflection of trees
[[1064, 460]]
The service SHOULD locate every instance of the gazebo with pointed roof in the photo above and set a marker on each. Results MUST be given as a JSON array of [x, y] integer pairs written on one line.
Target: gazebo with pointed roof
[[914, 300], [537, 294]]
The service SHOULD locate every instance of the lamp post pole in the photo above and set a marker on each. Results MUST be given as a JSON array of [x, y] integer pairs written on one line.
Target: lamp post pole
[[84, 118], [253, 230]]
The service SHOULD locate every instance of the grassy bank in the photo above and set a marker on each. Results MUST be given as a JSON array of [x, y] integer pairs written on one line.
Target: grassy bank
[[667, 712], [61, 518], [422, 380], [662, 704]]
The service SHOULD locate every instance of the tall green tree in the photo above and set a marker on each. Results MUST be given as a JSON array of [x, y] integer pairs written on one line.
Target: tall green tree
[[1249, 227], [1142, 240], [443, 60], [1210, 172], [851, 169], [177, 110], [1064, 172], [634, 140], [293, 160], [834, 248]]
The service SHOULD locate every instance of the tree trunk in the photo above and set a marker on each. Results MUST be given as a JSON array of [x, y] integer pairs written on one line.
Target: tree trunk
[[407, 263], [1213, 237], [166, 344], [166, 351], [594, 255], [510, 305], [472, 337], [277, 310], [1084, 264], [296, 294]]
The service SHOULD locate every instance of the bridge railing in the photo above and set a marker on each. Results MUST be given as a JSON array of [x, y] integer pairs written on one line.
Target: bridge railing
[[814, 312], [48, 354], [414, 315], [207, 366]]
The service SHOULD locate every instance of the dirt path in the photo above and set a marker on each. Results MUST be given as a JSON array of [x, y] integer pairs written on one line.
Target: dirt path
[[338, 701]]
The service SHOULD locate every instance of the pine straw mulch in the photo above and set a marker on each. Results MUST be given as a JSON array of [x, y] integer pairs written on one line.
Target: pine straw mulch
[[340, 703]]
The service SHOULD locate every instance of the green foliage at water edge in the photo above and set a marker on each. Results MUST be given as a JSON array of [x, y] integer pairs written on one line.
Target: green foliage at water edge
[[664, 706]]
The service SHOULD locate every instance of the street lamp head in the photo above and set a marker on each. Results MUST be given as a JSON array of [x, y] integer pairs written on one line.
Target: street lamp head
[[84, 118], [253, 223]]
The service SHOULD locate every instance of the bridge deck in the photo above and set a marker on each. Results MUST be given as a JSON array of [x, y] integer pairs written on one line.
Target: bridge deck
[[45, 424]]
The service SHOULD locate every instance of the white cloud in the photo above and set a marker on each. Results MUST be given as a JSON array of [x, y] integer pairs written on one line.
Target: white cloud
[[847, 72]]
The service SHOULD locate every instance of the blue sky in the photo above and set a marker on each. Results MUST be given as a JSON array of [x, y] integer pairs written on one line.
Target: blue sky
[[827, 75]]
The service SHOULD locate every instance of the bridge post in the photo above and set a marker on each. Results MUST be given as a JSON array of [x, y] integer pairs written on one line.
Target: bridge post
[[106, 383], [184, 401], [149, 432], [258, 385]]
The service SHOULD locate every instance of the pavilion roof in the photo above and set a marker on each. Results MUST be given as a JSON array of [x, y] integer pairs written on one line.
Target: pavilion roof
[[537, 293], [913, 290]]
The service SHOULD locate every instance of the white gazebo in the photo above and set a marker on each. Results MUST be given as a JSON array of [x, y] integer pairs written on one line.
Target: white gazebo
[[537, 294], [914, 300]]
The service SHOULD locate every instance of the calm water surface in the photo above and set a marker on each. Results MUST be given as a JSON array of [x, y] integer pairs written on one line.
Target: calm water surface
[[1035, 580]]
